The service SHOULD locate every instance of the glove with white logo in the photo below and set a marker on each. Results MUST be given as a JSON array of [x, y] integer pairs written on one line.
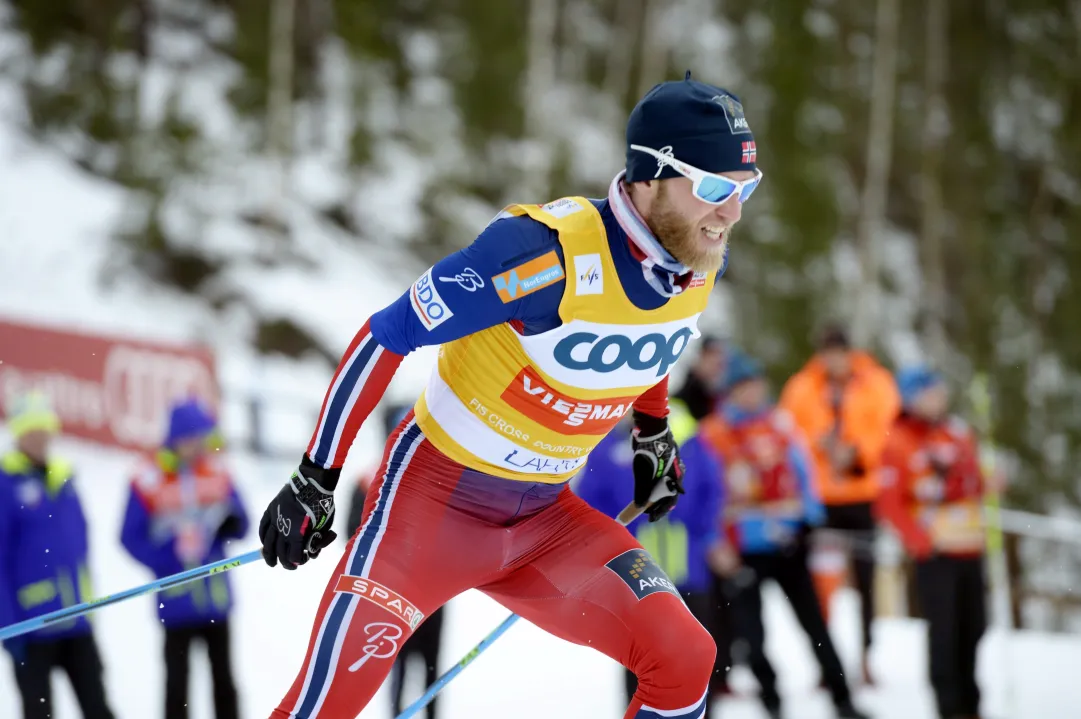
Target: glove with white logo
[[296, 524], [658, 470]]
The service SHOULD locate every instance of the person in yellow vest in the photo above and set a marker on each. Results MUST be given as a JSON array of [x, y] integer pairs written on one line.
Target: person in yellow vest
[[559, 320], [43, 565], [844, 402]]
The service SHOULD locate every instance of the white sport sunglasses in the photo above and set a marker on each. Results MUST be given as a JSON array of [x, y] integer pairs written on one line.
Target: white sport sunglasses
[[707, 187]]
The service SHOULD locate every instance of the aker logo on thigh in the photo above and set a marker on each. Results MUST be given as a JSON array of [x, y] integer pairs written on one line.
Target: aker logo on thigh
[[641, 573], [385, 597]]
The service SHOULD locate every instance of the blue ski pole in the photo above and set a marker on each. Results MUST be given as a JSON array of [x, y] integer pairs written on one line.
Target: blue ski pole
[[60, 615], [454, 671], [625, 517]]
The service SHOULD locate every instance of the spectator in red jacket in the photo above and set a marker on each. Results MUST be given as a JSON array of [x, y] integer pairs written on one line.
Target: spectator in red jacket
[[932, 488]]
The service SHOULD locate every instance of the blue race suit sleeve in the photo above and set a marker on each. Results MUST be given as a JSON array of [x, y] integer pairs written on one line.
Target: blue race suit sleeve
[[813, 510], [458, 296]]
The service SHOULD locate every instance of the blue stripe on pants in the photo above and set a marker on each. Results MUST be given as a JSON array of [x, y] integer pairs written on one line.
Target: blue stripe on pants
[[339, 606]]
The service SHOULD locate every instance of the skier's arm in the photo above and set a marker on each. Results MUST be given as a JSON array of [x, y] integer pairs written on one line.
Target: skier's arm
[[455, 298], [651, 409]]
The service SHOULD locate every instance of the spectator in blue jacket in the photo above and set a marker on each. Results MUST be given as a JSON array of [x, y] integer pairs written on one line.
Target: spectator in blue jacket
[[182, 508], [43, 565], [680, 541], [769, 504]]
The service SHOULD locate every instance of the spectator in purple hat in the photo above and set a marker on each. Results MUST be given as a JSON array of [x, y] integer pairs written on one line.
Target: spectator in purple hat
[[181, 510]]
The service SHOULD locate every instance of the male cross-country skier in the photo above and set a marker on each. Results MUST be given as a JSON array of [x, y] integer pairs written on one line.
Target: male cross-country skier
[[557, 321]]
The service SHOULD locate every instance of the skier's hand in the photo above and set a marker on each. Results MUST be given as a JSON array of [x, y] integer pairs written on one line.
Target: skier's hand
[[658, 472], [296, 524]]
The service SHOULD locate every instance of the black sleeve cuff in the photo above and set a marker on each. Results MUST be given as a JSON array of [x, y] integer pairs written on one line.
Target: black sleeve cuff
[[326, 478], [649, 425]]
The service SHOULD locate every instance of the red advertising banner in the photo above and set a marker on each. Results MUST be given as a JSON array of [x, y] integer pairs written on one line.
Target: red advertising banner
[[106, 389]]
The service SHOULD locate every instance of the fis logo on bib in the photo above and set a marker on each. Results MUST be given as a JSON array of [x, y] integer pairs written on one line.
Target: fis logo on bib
[[528, 277], [429, 307], [588, 268], [641, 573]]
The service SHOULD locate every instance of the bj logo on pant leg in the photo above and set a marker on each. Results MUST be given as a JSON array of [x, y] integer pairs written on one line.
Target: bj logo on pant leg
[[385, 597]]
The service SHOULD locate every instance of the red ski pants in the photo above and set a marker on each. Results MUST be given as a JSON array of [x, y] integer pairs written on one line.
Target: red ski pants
[[434, 529]]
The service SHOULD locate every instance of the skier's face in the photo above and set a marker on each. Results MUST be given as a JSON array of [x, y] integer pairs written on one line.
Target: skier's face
[[190, 450], [35, 445], [695, 232], [751, 395]]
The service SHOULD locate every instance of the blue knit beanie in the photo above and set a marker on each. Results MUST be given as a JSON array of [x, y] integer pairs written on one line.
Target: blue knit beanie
[[911, 381], [189, 419], [699, 124], [741, 367]]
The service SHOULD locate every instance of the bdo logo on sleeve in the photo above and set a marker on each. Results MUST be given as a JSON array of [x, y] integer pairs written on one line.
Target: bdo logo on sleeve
[[429, 307]]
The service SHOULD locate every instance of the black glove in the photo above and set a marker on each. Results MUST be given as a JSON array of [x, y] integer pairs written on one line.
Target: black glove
[[296, 524], [658, 470]]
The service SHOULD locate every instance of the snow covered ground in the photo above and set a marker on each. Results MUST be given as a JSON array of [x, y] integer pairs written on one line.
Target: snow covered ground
[[527, 674]]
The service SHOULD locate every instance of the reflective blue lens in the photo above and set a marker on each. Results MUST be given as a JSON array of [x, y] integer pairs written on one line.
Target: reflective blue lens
[[748, 189], [715, 188]]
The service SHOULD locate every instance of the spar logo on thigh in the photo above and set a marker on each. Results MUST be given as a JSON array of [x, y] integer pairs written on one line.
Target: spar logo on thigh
[[641, 573], [385, 597]]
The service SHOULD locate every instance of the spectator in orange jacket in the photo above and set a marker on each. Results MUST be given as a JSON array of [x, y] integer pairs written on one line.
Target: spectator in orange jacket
[[844, 401], [932, 488]]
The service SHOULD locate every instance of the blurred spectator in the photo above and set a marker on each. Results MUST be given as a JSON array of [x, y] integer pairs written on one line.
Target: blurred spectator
[[181, 510], [695, 399], [844, 402], [425, 641], [680, 541], [769, 503], [43, 565], [932, 495], [699, 391]]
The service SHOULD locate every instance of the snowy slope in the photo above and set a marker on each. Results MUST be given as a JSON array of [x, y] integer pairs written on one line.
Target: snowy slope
[[527, 674]]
